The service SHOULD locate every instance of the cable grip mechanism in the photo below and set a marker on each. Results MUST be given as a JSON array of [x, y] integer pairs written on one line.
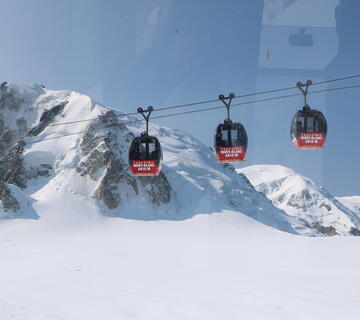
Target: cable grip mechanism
[[146, 117], [307, 85], [227, 103]]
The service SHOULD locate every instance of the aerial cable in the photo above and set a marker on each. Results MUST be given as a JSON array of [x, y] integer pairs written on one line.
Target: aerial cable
[[200, 102], [257, 93], [204, 109]]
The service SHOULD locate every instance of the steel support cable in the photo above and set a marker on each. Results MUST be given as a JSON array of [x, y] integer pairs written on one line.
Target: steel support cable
[[202, 110], [201, 102]]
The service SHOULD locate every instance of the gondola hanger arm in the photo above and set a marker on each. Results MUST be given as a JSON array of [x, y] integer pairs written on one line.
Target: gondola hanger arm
[[146, 117], [300, 85], [227, 103]]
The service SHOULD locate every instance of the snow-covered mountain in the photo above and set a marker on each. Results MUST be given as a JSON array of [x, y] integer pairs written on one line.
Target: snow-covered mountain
[[86, 175], [65, 254], [353, 203], [55, 166], [303, 199]]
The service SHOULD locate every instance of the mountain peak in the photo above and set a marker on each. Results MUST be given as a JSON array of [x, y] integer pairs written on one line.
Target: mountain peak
[[53, 156], [61, 147], [303, 199]]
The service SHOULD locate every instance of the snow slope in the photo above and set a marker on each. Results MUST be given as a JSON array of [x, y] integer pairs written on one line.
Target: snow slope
[[88, 172], [198, 242], [219, 266], [301, 198], [353, 203]]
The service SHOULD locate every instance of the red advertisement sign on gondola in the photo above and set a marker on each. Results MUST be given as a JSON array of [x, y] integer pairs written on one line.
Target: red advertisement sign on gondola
[[231, 154], [310, 140], [144, 167]]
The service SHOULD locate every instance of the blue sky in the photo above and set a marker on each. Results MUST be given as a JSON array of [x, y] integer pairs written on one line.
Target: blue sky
[[128, 54]]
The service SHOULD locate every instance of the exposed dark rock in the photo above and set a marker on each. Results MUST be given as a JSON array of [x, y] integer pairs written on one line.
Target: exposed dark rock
[[108, 189], [355, 232], [101, 150], [46, 118], [2, 124], [7, 137], [12, 168], [96, 159], [325, 205], [157, 188], [299, 200], [8, 201], [8, 99], [11, 159], [3, 85], [328, 231]]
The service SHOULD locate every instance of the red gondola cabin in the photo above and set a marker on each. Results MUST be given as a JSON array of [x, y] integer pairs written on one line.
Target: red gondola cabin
[[308, 129], [230, 142], [145, 156]]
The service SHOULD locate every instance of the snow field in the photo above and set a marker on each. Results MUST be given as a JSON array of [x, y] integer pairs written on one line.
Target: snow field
[[219, 266]]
